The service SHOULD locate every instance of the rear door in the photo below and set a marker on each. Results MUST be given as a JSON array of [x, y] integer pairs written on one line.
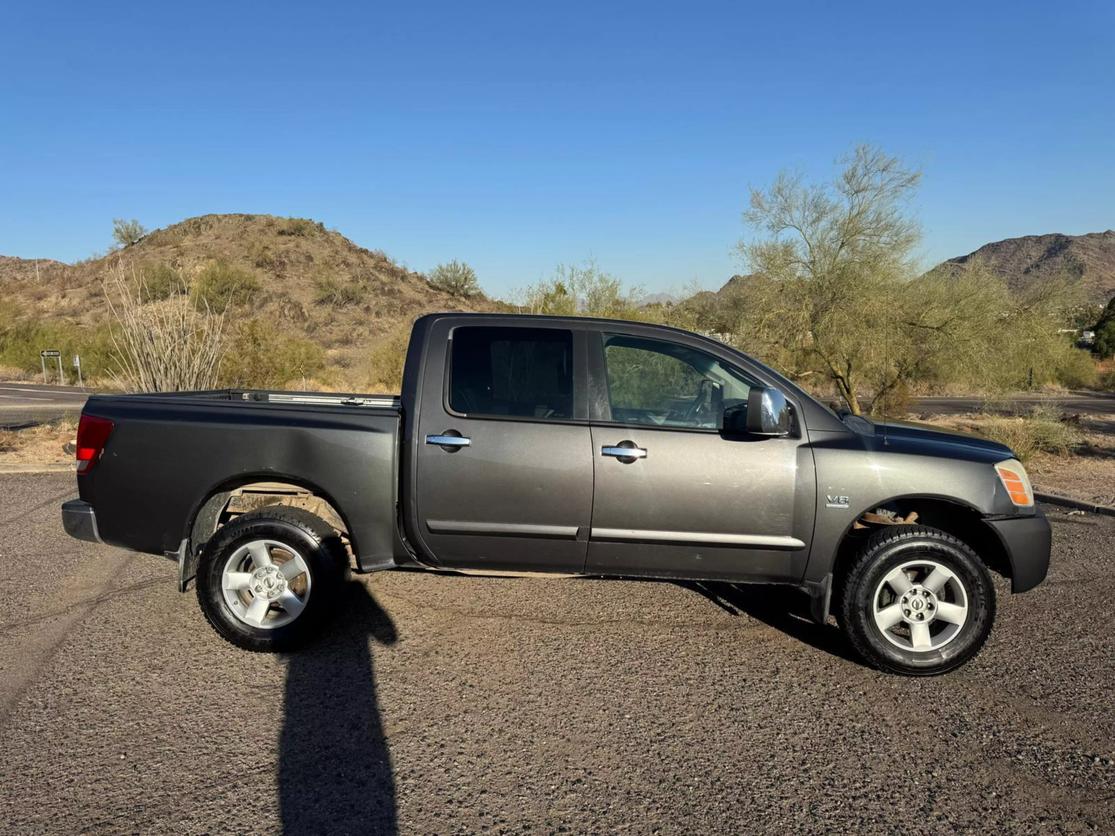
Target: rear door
[[689, 500], [503, 459]]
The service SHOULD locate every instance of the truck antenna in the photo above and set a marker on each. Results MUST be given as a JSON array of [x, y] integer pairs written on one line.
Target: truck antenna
[[886, 368]]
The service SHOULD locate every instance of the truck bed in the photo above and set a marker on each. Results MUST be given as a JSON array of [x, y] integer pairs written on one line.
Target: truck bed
[[171, 454]]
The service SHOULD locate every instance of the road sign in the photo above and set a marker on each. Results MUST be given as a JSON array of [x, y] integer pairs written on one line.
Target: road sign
[[55, 355]]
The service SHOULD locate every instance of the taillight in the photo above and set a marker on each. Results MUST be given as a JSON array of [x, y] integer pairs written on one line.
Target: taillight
[[92, 435]]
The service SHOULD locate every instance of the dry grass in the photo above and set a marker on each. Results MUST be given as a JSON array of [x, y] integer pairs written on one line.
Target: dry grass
[[13, 373], [41, 445], [1042, 430]]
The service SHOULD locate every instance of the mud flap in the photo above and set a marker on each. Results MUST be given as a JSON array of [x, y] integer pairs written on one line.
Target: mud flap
[[820, 598], [186, 567]]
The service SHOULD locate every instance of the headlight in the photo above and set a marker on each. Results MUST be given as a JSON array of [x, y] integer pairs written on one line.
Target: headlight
[[1013, 476]]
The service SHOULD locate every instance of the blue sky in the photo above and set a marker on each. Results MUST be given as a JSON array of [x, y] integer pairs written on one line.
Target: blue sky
[[517, 136]]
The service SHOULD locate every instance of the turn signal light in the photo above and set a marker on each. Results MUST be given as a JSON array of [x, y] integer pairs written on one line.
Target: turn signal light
[[1013, 476], [92, 435]]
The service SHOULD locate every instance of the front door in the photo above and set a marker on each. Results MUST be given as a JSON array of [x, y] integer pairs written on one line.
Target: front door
[[674, 496], [504, 463]]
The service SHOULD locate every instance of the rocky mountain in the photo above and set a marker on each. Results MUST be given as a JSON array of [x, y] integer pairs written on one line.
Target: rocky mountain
[[1087, 261]]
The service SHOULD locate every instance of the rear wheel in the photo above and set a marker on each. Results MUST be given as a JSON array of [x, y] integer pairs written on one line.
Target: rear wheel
[[267, 579], [917, 601]]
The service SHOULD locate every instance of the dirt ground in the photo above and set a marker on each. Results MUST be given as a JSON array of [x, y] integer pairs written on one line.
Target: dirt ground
[[1089, 473], [38, 446], [1078, 476]]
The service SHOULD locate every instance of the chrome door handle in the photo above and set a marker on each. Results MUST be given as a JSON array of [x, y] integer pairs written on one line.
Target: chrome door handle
[[623, 451], [455, 441]]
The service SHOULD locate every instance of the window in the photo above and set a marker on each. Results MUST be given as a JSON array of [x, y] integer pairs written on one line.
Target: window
[[668, 385], [525, 372]]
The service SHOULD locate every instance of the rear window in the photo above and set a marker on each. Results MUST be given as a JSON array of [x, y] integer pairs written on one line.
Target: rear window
[[519, 372]]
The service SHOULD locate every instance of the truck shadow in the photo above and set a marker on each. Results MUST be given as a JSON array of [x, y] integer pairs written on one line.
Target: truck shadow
[[335, 773], [782, 608]]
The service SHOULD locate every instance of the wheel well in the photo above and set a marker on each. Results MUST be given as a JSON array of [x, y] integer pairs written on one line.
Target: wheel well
[[225, 505], [961, 521]]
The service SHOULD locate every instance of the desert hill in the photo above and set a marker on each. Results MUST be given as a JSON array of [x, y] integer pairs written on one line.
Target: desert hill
[[301, 279]]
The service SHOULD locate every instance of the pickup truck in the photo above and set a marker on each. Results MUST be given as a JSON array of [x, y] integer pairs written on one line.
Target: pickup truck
[[573, 446]]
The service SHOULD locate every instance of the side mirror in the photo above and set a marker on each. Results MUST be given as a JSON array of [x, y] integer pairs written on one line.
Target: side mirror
[[767, 413]]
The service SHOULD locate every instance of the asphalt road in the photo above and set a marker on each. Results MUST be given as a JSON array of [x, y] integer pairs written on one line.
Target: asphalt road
[[29, 403], [451, 704]]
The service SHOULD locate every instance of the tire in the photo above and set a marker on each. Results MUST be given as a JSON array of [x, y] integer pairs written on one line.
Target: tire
[[266, 581], [917, 601]]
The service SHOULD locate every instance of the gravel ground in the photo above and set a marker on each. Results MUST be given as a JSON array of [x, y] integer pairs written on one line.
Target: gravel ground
[[450, 704]]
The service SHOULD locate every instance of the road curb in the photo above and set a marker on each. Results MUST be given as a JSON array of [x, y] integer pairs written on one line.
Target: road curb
[[37, 468], [1079, 504]]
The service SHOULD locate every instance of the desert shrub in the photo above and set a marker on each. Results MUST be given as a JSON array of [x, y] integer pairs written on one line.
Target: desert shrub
[[166, 346], [1106, 380], [1077, 370], [264, 257], [22, 340], [332, 291], [382, 368], [300, 227], [160, 281], [456, 278], [1042, 431], [222, 284], [265, 357], [125, 233]]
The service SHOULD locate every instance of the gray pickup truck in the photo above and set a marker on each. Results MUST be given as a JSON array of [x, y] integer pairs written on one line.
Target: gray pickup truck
[[571, 446]]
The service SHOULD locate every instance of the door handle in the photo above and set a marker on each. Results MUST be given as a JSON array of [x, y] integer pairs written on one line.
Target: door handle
[[447, 442], [626, 451]]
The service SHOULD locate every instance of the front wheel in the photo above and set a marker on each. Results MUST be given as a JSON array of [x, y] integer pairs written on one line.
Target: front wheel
[[267, 579], [917, 601]]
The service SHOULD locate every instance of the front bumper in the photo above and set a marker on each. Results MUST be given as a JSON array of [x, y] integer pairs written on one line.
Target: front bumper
[[80, 521], [1028, 542]]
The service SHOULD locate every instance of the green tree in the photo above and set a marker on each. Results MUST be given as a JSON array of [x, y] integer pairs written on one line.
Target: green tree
[[584, 290], [828, 271], [456, 278], [833, 294], [1104, 345], [125, 233], [1104, 326]]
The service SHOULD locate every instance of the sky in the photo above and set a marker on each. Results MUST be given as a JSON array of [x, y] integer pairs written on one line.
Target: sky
[[523, 135]]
